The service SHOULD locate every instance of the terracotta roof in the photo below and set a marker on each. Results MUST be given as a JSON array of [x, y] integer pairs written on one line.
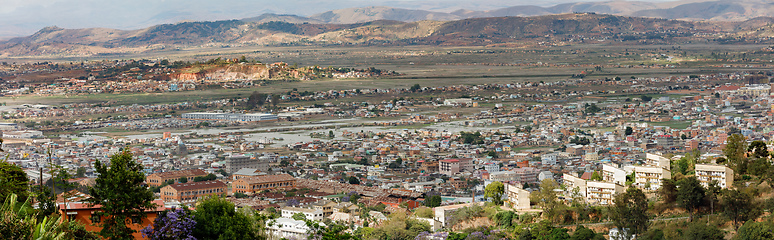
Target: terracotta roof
[[197, 185], [267, 179], [181, 173], [84, 205]]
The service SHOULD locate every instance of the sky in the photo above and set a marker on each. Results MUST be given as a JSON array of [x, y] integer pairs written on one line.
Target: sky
[[24, 17]]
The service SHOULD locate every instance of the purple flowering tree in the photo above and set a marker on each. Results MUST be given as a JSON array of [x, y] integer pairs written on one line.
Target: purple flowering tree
[[177, 224]]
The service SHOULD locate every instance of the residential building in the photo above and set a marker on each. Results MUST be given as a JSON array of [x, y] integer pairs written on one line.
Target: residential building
[[453, 166], [260, 183], [288, 228], [649, 178], [503, 176], [545, 175], [249, 117], [82, 212], [157, 179], [491, 167], [246, 173], [572, 182], [238, 161], [190, 192], [613, 174], [443, 211], [548, 159], [325, 206], [707, 173], [602, 193], [656, 160], [311, 214], [526, 175], [518, 198]]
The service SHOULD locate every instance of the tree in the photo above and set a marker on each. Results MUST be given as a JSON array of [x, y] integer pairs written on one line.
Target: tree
[[735, 150], [583, 233], [275, 99], [758, 149], [595, 176], [176, 224], [13, 181], [415, 88], [546, 198], [690, 195], [433, 201], [354, 180], [700, 231], [629, 214], [120, 191], [81, 172], [494, 191], [738, 206], [628, 131], [182, 180], [668, 190], [753, 230], [216, 218]]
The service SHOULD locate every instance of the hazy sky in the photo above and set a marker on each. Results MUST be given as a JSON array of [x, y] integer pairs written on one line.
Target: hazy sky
[[23, 17]]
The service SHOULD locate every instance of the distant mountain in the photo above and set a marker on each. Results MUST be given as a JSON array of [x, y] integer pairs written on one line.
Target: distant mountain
[[367, 14], [271, 17]]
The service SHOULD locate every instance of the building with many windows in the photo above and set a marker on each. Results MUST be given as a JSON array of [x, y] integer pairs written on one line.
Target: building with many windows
[[249, 117], [190, 192], [453, 166], [572, 183], [649, 178], [707, 173], [613, 174], [259, 183], [157, 179], [518, 198], [602, 193], [311, 214], [656, 160]]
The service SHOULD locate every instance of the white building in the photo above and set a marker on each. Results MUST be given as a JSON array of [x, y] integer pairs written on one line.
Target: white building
[[656, 160], [572, 182], [311, 214], [613, 174], [443, 211], [602, 193], [517, 198], [288, 228], [545, 175], [548, 159], [250, 117], [707, 173], [491, 167], [649, 178], [458, 102]]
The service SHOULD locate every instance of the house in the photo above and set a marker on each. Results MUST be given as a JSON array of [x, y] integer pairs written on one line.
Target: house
[[310, 214], [84, 213], [190, 192], [325, 206], [518, 198], [260, 183], [443, 211], [158, 179], [453, 166], [247, 172], [707, 173]]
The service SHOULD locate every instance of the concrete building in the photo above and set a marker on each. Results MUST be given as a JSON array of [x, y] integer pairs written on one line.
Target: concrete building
[[190, 192], [548, 159], [526, 175], [157, 179], [649, 178], [247, 173], [613, 174], [250, 117], [238, 161], [517, 198], [572, 182], [288, 228], [656, 160], [491, 167], [503, 176], [453, 166], [311, 214], [545, 175], [602, 193], [707, 173], [443, 211], [260, 183]]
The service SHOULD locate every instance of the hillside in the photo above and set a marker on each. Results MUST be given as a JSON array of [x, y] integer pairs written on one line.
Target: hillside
[[54, 41]]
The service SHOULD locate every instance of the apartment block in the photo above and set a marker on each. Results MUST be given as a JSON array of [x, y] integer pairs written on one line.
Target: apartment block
[[311, 214], [157, 179], [190, 192], [707, 173], [649, 178], [602, 193], [453, 166], [613, 174], [260, 183], [656, 160], [572, 182], [518, 198]]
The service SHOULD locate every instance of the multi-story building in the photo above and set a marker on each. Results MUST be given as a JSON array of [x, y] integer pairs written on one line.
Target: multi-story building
[[311, 214], [526, 175], [236, 162], [325, 206], [649, 178], [288, 228], [84, 213], [707, 173], [260, 183], [613, 174], [656, 160], [665, 141], [602, 193], [249, 117], [453, 166], [572, 183], [246, 173], [157, 179], [503, 176], [190, 192], [518, 198], [548, 159], [491, 167]]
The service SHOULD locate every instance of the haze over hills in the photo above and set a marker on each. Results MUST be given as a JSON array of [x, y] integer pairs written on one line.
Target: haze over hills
[[550, 29]]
